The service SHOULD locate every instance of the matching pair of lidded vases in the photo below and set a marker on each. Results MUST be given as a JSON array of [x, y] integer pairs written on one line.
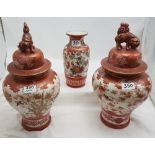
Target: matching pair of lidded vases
[[120, 83]]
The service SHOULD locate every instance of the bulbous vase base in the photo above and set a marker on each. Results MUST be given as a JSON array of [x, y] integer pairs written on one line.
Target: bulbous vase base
[[36, 124], [75, 82], [115, 122]]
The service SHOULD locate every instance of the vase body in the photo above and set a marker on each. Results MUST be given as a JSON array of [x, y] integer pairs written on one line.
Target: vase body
[[31, 85], [32, 97], [76, 60], [119, 96]]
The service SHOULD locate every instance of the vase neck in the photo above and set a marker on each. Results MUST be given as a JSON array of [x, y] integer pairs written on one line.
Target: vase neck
[[76, 40]]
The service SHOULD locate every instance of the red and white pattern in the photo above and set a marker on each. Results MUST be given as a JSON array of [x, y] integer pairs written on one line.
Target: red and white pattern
[[33, 104], [119, 96], [76, 63]]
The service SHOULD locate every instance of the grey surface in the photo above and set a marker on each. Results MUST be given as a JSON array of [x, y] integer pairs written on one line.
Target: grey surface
[[2, 52], [149, 51]]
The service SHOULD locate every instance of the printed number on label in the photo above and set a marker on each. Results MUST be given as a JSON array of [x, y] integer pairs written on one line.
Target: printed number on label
[[128, 86], [75, 43], [29, 89]]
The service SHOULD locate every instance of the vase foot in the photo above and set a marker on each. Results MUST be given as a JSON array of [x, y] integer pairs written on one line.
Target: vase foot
[[75, 86], [113, 121], [75, 82], [36, 124]]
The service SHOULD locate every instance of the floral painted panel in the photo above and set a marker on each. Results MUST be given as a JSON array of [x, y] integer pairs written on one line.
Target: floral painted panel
[[76, 63], [36, 103], [114, 94]]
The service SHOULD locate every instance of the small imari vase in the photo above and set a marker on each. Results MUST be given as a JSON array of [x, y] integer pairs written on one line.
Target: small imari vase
[[76, 59], [31, 85], [121, 82]]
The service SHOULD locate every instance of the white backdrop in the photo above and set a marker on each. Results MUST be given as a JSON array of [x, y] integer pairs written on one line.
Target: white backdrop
[[75, 113], [148, 46], [2, 53], [49, 33]]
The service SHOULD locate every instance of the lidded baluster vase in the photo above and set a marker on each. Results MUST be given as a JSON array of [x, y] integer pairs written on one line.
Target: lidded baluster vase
[[31, 85], [121, 82]]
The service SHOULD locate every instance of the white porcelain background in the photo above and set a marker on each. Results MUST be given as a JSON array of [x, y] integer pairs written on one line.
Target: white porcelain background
[[26, 109]]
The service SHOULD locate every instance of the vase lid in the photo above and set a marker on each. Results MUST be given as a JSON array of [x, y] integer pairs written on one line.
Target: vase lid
[[27, 59], [127, 59]]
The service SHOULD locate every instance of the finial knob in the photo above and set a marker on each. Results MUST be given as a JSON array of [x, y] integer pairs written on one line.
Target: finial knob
[[123, 35], [26, 28], [26, 45]]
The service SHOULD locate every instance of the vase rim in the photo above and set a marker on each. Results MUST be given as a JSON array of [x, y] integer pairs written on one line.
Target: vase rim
[[77, 33]]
